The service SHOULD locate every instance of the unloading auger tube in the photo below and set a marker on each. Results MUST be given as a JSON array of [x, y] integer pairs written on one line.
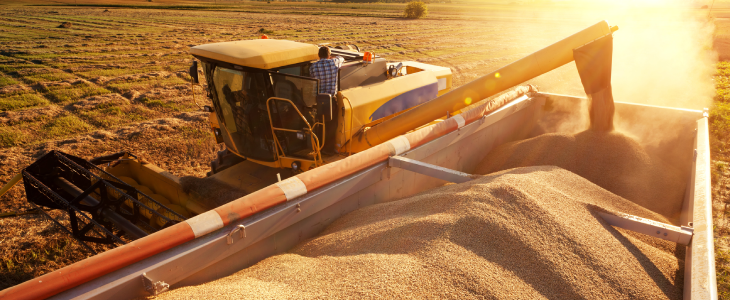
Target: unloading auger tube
[[531, 66]]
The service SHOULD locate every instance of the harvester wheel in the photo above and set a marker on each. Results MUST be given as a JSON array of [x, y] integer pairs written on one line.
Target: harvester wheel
[[224, 160], [213, 167]]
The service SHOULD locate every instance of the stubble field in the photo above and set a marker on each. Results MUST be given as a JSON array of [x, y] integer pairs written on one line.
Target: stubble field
[[116, 79]]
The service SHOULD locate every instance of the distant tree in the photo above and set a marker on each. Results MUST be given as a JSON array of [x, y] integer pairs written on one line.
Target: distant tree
[[415, 10]]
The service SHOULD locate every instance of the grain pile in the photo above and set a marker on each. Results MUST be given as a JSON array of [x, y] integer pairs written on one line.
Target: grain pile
[[611, 160], [527, 233]]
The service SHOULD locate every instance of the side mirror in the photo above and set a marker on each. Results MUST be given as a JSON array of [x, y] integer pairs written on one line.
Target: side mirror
[[194, 72], [324, 106]]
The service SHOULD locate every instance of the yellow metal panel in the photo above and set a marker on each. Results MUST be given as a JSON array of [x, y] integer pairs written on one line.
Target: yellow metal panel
[[213, 119], [439, 71], [260, 54], [366, 99], [159, 181], [250, 176], [443, 74]]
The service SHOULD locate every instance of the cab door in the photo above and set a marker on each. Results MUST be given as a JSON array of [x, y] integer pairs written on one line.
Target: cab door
[[292, 112]]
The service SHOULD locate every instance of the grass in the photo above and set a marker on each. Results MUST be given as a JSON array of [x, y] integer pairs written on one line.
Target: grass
[[169, 106], [5, 81], [43, 55], [67, 95], [722, 258], [716, 173], [120, 71], [111, 116], [18, 264], [145, 84], [722, 82], [11, 68], [22, 101], [47, 77], [720, 114], [65, 126], [104, 72], [48, 252], [10, 137]]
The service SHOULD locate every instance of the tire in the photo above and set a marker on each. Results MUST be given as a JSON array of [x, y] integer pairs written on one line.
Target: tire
[[224, 160]]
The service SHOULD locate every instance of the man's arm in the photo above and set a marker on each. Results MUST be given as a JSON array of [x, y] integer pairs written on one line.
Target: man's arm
[[338, 61]]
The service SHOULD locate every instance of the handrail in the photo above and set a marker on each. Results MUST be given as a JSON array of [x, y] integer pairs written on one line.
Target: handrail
[[315, 141], [324, 133], [348, 140]]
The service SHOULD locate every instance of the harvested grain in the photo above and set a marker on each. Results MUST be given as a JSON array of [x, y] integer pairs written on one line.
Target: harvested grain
[[611, 160], [528, 233]]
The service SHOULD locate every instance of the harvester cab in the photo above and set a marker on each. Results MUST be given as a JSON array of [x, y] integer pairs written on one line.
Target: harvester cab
[[267, 108]]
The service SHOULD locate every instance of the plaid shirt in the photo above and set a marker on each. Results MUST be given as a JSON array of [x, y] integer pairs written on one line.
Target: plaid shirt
[[325, 69]]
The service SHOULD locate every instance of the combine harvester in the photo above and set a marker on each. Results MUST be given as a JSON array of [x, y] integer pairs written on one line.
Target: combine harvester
[[304, 159]]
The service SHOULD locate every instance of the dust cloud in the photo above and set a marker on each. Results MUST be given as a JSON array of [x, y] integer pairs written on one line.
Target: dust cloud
[[662, 55]]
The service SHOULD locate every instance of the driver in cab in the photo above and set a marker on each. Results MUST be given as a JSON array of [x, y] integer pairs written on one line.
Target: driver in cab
[[325, 69]]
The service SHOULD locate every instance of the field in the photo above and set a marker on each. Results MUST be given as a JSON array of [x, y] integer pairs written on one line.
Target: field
[[116, 80]]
